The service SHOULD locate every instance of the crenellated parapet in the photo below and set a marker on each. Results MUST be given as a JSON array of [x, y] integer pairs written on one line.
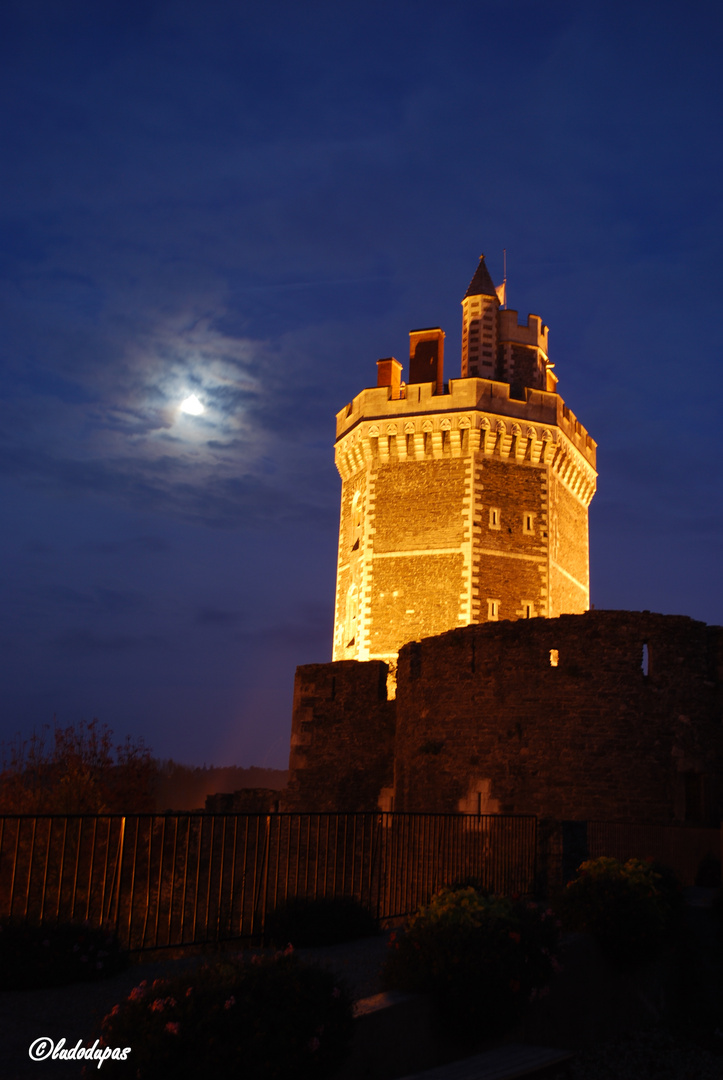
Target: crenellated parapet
[[472, 416]]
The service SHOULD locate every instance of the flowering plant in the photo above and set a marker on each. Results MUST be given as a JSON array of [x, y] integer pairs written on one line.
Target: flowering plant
[[483, 958], [628, 907], [270, 1019]]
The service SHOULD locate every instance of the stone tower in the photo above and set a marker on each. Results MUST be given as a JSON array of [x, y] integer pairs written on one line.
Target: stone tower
[[462, 502]]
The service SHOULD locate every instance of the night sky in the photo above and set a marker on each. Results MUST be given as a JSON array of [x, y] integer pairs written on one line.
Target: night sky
[[252, 203]]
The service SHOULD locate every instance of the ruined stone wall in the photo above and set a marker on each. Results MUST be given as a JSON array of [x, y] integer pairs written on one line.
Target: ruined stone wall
[[485, 722], [342, 734]]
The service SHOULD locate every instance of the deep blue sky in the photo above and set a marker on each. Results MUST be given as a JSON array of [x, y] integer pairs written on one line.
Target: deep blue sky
[[255, 202]]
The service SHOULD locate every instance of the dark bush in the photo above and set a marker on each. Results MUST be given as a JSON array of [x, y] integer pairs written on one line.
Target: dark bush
[[629, 908], [304, 923], [52, 955], [271, 1019], [482, 958]]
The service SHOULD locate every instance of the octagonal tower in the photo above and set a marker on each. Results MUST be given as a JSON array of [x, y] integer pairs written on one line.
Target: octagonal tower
[[462, 502]]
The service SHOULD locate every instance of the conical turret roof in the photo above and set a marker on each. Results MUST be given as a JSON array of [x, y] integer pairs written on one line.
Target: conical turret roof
[[481, 284]]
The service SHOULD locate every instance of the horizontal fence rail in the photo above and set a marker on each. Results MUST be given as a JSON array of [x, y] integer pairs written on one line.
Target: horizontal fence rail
[[181, 879], [684, 848]]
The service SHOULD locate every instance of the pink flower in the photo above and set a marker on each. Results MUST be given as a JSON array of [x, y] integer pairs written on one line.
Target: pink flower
[[229, 1004], [314, 1044], [157, 1006], [189, 991], [172, 1027], [288, 950], [137, 992]]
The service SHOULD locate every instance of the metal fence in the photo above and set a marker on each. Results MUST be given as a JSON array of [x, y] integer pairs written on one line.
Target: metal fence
[[179, 879], [684, 848]]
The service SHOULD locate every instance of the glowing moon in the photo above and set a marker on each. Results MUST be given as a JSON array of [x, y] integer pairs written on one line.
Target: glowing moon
[[192, 406]]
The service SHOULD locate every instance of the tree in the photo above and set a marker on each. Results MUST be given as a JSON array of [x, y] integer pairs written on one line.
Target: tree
[[77, 770]]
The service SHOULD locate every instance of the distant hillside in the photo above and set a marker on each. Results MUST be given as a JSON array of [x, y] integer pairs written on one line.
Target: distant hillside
[[183, 787]]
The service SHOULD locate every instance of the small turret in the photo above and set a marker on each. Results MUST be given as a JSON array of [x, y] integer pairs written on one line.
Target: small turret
[[495, 346], [480, 308]]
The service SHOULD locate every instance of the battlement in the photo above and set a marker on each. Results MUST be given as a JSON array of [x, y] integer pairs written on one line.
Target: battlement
[[461, 396], [533, 332]]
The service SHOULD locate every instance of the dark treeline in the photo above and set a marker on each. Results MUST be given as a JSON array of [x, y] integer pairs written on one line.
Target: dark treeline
[[80, 769]]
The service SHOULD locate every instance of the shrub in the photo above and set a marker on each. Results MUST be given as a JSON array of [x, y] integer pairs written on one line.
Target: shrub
[[482, 958], [79, 772], [37, 956], [305, 922], [270, 1019], [629, 908]]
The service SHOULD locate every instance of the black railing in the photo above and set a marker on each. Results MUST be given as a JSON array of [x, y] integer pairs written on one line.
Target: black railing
[[181, 879], [684, 848]]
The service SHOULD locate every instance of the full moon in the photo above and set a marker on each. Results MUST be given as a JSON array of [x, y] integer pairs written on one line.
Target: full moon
[[192, 406]]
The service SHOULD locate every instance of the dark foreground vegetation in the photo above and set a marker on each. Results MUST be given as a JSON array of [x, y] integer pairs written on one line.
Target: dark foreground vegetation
[[270, 1018], [486, 961], [306, 923], [56, 954]]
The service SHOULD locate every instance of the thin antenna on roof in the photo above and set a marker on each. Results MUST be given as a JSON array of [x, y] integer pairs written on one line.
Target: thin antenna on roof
[[504, 274]]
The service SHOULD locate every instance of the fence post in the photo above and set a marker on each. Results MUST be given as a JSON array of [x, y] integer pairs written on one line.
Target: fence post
[[574, 848], [119, 870]]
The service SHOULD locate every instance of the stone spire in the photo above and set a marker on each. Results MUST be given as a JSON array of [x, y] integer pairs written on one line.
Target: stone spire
[[481, 284]]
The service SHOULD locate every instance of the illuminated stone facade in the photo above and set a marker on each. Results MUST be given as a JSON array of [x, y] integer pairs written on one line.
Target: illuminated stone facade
[[463, 516], [462, 502]]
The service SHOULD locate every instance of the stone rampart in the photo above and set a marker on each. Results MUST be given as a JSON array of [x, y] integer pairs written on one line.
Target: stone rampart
[[612, 715], [608, 715]]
